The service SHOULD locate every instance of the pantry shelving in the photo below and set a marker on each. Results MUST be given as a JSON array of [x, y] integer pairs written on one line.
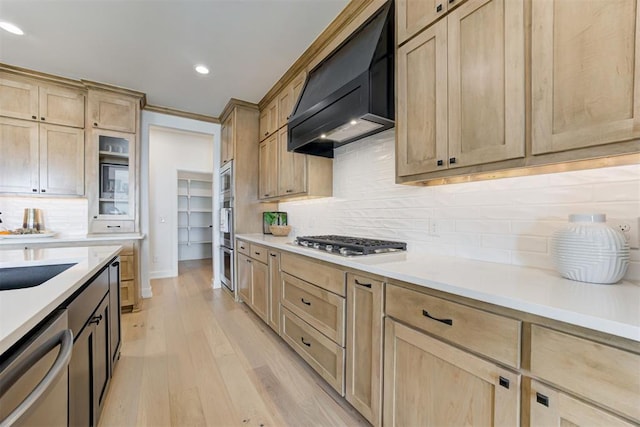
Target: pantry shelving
[[195, 215]]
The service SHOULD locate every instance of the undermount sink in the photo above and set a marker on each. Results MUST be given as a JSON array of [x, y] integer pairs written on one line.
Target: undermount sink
[[27, 277]]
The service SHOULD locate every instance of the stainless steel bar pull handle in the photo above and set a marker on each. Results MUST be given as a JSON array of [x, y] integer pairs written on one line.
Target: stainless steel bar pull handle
[[65, 340], [449, 322]]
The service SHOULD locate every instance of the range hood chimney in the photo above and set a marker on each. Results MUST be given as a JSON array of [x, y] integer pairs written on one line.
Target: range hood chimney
[[349, 95]]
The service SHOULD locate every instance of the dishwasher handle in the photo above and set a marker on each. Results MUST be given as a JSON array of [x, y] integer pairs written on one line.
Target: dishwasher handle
[[65, 340]]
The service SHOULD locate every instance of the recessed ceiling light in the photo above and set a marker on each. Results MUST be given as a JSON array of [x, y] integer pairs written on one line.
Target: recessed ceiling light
[[323, 136], [353, 122], [13, 29], [202, 69]]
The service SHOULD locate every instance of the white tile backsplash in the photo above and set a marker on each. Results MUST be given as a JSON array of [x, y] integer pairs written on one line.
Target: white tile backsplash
[[65, 216], [505, 220]]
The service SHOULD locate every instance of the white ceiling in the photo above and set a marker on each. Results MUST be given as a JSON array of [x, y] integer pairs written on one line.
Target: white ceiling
[[153, 45]]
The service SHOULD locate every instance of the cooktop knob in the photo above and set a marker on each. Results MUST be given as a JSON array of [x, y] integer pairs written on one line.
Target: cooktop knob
[[328, 248]]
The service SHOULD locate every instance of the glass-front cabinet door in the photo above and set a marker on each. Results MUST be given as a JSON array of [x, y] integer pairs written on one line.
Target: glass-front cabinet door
[[114, 179], [113, 204]]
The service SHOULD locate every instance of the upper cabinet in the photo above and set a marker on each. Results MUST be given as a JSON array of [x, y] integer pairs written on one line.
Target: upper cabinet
[[226, 139], [41, 137], [584, 78], [460, 83], [269, 120], [112, 161], [284, 174], [30, 99], [414, 15], [288, 98], [112, 111]]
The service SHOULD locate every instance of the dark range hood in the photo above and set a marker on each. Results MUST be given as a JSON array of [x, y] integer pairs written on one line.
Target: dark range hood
[[349, 95]]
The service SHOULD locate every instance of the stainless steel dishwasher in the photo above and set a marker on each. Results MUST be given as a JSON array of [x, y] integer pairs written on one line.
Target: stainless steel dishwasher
[[34, 376]]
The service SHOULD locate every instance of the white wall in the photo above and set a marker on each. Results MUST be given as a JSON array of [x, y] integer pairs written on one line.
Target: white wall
[[506, 220], [152, 120], [171, 150]]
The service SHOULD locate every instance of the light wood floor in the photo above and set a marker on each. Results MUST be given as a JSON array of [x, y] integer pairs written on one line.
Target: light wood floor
[[193, 356]]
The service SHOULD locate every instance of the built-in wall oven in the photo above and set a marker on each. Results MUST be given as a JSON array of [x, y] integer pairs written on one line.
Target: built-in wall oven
[[226, 226]]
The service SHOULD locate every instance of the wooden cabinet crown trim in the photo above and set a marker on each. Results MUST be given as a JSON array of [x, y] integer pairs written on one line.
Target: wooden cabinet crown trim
[[49, 78], [181, 113], [233, 103], [333, 32]]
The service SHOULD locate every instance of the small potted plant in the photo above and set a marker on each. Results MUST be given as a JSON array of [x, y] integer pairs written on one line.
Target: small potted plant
[[277, 222]]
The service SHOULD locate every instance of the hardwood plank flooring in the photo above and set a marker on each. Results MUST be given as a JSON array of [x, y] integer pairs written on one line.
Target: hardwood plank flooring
[[194, 357]]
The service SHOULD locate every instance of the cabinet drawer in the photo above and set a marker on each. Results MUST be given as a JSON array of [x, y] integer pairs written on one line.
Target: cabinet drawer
[[324, 276], [321, 309], [127, 290], [601, 373], [324, 356], [127, 271], [243, 247], [259, 253], [98, 226], [489, 334]]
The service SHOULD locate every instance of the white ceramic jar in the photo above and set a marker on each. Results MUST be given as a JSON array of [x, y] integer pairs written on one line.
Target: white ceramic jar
[[588, 250]]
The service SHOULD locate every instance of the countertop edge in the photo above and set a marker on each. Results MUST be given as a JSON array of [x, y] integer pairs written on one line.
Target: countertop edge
[[572, 317], [109, 252]]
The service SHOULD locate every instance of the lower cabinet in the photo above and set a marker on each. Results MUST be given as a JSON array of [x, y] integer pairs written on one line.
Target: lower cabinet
[[91, 364], [324, 355], [275, 286], [364, 346], [253, 280], [428, 382], [550, 407]]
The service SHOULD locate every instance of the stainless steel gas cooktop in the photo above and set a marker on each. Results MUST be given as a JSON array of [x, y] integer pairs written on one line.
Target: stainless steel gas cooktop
[[349, 246]]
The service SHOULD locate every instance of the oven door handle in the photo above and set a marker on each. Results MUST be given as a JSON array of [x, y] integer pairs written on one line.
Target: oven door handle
[[65, 340]]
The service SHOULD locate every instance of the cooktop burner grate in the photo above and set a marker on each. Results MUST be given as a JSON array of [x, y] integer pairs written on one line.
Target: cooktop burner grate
[[346, 245]]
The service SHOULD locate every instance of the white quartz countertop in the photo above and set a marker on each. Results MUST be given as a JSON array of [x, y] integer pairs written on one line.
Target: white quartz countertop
[[13, 240], [22, 309], [613, 309]]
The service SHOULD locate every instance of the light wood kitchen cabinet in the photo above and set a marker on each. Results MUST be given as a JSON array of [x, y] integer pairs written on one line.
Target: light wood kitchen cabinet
[[364, 349], [550, 407], [312, 314], [113, 111], [226, 139], [584, 79], [260, 289], [269, 120], [440, 125], [112, 181], [41, 158], [414, 15], [19, 162], [18, 97], [288, 98], [494, 336], [31, 99], [243, 275], [61, 160], [292, 174], [253, 281], [129, 288], [429, 382], [292, 168], [275, 286], [316, 306], [322, 354], [268, 180], [589, 369]]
